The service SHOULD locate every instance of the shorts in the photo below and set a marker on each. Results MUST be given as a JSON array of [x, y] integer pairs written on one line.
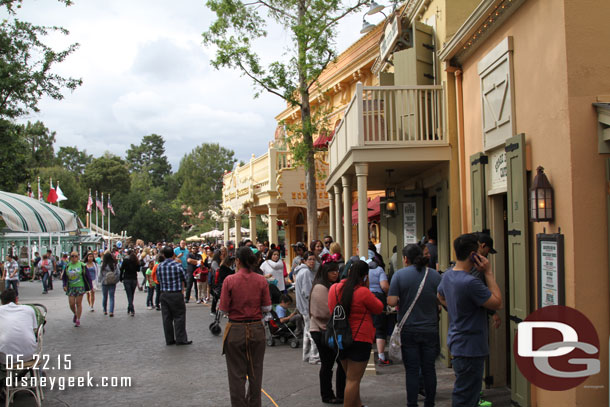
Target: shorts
[[358, 352], [75, 291], [380, 321]]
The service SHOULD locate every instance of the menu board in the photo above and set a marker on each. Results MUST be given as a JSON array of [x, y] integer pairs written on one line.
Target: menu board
[[550, 270]]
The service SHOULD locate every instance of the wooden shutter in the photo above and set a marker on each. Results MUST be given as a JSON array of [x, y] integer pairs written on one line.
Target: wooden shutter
[[518, 255], [477, 191]]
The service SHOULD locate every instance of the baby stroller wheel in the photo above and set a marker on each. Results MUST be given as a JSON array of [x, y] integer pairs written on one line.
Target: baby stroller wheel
[[283, 339], [270, 342], [294, 344]]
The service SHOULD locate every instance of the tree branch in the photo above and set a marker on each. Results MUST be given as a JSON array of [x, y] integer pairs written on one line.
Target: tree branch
[[313, 80], [270, 7], [262, 84], [345, 13]]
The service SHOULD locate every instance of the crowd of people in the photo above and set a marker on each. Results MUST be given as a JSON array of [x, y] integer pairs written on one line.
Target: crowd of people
[[246, 282]]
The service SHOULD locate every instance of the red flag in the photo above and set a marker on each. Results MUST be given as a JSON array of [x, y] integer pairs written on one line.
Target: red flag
[[110, 206], [89, 204], [52, 197]]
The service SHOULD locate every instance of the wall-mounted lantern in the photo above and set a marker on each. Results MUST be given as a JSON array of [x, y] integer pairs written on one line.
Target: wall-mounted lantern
[[390, 197], [541, 198]]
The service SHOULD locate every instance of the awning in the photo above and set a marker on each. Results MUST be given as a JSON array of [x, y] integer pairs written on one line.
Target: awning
[[323, 140], [212, 234], [23, 214], [373, 208]]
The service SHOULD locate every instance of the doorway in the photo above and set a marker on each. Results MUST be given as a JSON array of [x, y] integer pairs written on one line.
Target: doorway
[[500, 360]]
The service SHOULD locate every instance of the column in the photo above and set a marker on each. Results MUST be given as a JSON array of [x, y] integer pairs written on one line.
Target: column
[[252, 218], [338, 215], [225, 225], [237, 229], [362, 171], [331, 215], [347, 216], [273, 224]]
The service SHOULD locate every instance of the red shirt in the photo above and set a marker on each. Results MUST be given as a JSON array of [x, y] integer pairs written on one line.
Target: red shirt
[[243, 294], [364, 303]]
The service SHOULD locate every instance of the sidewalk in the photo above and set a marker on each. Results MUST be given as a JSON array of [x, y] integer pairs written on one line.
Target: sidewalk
[[192, 375]]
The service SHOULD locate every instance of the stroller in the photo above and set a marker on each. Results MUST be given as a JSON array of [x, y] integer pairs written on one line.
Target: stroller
[[215, 326], [275, 329]]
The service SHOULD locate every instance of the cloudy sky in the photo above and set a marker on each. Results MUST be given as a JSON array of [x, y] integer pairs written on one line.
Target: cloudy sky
[[145, 71]]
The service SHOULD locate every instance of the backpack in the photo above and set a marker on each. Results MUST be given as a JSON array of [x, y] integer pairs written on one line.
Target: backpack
[[338, 334], [111, 278]]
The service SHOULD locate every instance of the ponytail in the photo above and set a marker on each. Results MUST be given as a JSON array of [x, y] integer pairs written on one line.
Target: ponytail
[[415, 256]]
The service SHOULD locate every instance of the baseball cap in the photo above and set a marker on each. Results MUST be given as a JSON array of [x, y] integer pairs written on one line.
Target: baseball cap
[[488, 241]]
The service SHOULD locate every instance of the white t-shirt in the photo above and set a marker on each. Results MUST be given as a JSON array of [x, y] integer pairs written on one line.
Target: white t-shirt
[[17, 326]]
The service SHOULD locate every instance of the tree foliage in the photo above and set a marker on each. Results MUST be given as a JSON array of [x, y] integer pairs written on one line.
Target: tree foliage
[[74, 160], [13, 157], [311, 26], [40, 144], [26, 64], [200, 175], [149, 157], [109, 174]]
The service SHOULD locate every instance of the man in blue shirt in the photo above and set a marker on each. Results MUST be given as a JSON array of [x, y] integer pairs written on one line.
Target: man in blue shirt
[[172, 279], [466, 298], [182, 254]]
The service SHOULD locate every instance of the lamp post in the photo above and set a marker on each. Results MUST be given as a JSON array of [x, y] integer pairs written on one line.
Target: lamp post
[[374, 8]]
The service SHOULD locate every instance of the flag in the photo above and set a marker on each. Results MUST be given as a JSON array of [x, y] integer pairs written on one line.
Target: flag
[[52, 196], [60, 194], [30, 194], [110, 208], [99, 205]]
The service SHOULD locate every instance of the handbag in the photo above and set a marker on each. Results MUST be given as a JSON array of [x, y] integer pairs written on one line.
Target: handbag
[[394, 348], [111, 278]]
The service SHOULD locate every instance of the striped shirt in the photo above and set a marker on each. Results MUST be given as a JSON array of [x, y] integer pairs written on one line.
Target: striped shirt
[[171, 275]]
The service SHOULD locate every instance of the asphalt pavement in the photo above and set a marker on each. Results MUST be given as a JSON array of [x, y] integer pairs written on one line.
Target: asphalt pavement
[[125, 348]]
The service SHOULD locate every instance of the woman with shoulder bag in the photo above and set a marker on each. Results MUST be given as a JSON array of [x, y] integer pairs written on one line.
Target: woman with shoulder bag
[[76, 282], [319, 315], [414, 289], [359, 303], [108, 277]]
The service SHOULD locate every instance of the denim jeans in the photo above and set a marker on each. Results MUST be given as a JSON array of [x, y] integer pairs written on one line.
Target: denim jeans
[[157, 296], [45, 282], [14, 283], [149, 296], [108, 290], [419, 351], [468, 380], [130, 289]]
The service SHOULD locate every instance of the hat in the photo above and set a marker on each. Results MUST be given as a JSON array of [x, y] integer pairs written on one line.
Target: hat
[[299, 245], [487, 241]]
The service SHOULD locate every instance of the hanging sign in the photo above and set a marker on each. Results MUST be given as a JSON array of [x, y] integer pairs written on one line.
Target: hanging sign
[[499, 170], [410, 222]]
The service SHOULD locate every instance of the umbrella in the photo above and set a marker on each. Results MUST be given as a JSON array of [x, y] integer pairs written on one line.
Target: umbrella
[[195, 238], [244, 231], [212, 234], [23, 214]]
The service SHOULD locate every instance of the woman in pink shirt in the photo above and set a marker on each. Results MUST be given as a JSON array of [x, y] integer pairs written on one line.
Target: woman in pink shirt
[[359, 303]]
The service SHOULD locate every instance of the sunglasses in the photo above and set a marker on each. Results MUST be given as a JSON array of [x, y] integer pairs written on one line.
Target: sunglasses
[[74, 256]]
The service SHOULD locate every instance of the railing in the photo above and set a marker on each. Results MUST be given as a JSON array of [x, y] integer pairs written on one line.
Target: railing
[[396, 115]]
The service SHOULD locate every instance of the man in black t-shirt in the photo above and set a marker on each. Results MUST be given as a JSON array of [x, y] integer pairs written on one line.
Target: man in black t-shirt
[[193, 261]]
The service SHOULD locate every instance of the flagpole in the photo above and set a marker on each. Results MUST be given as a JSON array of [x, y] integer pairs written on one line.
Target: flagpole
[[109, 239], [96, 209], [39, 192], [103, 213], [57, 197]]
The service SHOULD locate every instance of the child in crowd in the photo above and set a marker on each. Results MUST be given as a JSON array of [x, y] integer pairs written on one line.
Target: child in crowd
[[201, 277], [294, 319], [150, 284]]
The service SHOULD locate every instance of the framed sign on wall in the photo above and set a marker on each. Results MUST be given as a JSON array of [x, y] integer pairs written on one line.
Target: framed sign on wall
[[550, 269]]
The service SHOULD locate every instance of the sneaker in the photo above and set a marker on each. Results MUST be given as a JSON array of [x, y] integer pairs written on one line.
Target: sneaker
[[158, 308], [91, 309], [384, 362], [213, 314], [198, 301], [45, 292], [74, 319], [111, 315], [105, 313], [77, 323], [149, 307]]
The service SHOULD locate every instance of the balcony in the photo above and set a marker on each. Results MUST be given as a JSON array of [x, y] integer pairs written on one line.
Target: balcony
[[390, 123]]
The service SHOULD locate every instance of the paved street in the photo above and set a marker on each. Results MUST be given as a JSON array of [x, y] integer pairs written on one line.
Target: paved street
[[192, 375]]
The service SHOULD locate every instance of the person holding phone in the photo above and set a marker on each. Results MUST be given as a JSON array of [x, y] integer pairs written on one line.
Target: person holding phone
[[466, 299]]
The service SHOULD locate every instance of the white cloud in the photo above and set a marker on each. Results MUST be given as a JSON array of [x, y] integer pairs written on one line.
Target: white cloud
[[145, 70]]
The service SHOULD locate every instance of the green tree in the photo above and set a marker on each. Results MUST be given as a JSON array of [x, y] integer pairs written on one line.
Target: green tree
[[200, 175], [108, 174], [74, 160], [26, 64], [149, 157], [13, 157], [40, 141], [311, 26]]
